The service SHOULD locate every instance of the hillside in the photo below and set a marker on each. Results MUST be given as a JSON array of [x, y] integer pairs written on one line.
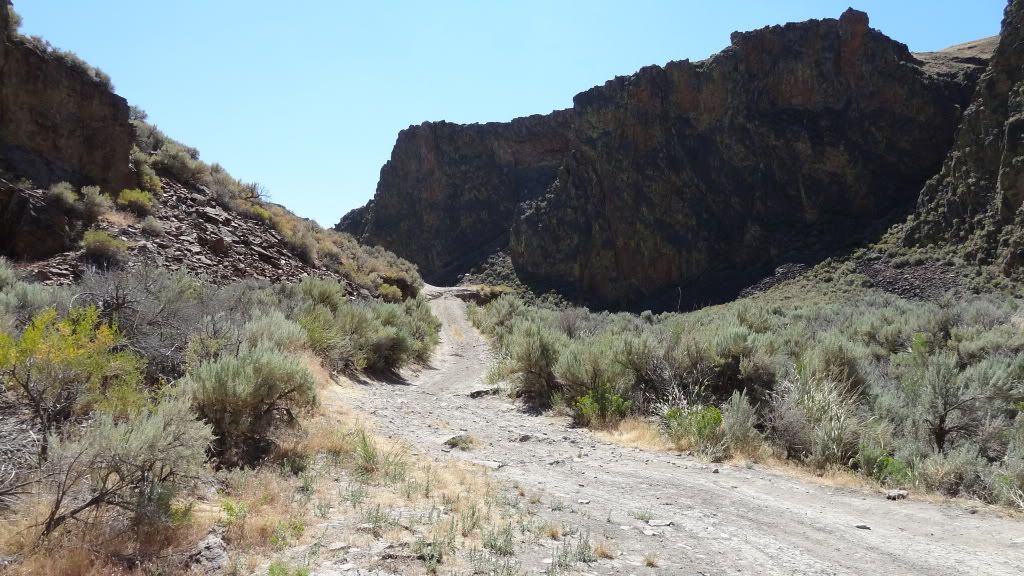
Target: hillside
[[684, 183], [70, 147]]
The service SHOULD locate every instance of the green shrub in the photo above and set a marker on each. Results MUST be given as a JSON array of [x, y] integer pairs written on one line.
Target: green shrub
[[102, 248], [282, 568], [389, 293], [698, 428], [818, 418], [325, 338], [256, 212], [585, 365], [181, 162], [323, 292], [531, 354], [646, 358], [601, 407], [60, 368], [137, 201], [244, 396], [20, 301]]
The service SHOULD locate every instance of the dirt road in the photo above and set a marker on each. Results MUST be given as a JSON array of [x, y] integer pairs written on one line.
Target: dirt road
[[740, 520]]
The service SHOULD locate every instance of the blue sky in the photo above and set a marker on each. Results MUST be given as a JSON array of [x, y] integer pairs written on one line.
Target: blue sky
[[307, 97]]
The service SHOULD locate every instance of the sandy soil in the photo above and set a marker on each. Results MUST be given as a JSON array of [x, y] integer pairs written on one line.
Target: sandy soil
[[740, 519]]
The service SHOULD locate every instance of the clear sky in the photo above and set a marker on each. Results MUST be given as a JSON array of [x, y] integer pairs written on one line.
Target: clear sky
[[307, 96]]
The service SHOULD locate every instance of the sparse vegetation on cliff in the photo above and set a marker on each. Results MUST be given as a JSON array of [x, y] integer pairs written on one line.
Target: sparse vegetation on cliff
[[372, 268]]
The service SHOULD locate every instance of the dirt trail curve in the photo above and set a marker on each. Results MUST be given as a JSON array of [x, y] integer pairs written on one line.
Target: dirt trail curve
[[740, 520]]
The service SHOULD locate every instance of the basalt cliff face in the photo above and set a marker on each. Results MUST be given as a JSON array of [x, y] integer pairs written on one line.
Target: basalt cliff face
[[57, 123], [684, 181], [450, 192], [976, 202]]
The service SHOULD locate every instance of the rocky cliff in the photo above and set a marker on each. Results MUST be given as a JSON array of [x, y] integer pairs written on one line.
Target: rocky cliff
[[688, 176], [448, 195], [975, 202], [56, 122]]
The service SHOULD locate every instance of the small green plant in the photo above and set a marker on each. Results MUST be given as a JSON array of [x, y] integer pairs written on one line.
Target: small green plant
[[286, 533], [282, 568], [377, 518], [463, 442], [234, 511], [136, 201], [642, 515], [500, 540], [430, 552]]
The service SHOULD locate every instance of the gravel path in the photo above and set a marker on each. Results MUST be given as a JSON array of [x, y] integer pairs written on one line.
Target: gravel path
[[736, 520]]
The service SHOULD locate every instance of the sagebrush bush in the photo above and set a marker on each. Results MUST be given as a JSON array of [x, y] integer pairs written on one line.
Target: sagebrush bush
[[63, 194], [151, 226], [158, 310], [822, 415], [531, 354], [273, 328], [244, 396], [102, 248], [139, 202], [95, 203], [908, 393], [586, 365], [20, 301], [378, 336], [132, 466], [740, 425]]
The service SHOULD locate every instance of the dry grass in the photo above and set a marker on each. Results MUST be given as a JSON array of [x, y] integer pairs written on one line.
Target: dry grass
[[636, 433], [361, 478], [604, 550], [91, 548], [651, 561], [119, 218], [262, 511], [552, 531]]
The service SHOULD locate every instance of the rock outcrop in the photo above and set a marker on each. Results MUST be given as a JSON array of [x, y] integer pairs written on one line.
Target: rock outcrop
[[448, 195], [31, 226], [684, 181], [56, 122], [976, 202]]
